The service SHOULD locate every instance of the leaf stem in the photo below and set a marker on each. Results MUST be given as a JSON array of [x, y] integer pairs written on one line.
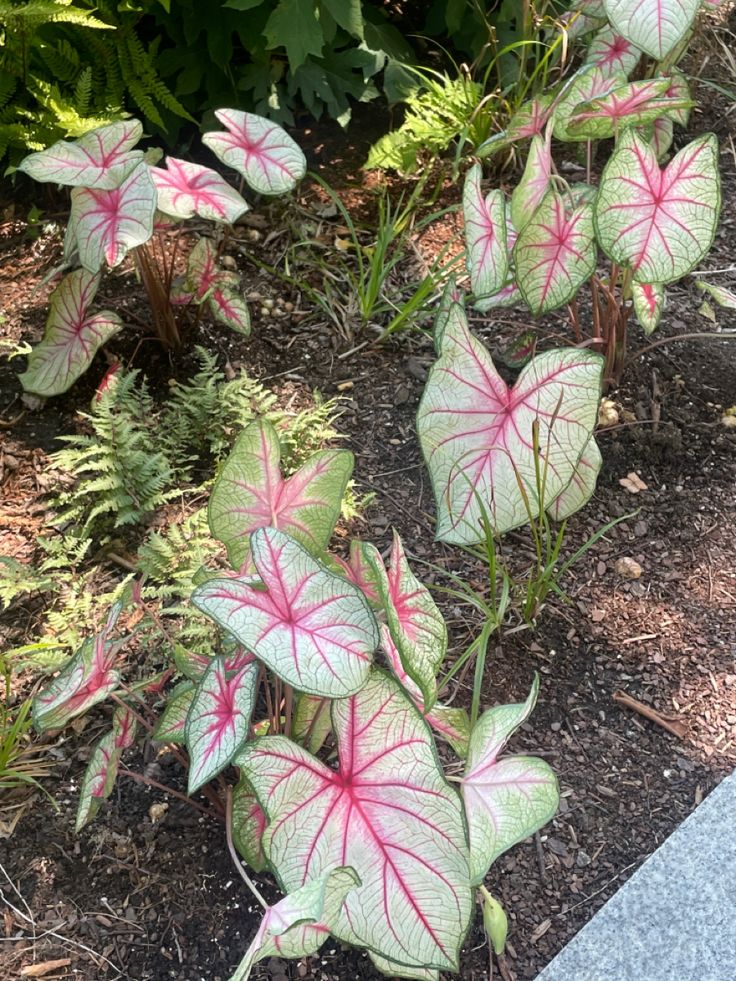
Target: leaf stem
[[234, 855]]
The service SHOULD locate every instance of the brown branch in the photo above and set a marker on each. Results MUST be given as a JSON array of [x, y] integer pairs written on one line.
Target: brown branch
[[678, 729]]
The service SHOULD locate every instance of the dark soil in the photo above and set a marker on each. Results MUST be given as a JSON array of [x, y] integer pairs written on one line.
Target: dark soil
[[147, 899]]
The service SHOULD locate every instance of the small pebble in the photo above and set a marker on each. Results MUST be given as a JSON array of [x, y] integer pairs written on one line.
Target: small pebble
[[628, 568]]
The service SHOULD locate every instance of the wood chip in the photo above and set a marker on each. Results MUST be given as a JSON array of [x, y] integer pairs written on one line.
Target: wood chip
[[41, 970]]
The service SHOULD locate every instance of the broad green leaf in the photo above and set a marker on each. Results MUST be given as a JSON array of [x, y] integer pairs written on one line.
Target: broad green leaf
[[186, 189], [170, 726], [416, 626], [555, 254], [71, 338], [100, 159], [300, 923], [648, 304], [506, 800], [580, 489], [348, 14], [655, 26], [250, 493], [485, 235], [265, 155], [534, 184], [295, 26], [612, 52], [108, 224], [102, 769], [476, 432], [659, 222], [722, 296], [636, 103], [312, 628], [218, 720], [387, 812], [248, 825]]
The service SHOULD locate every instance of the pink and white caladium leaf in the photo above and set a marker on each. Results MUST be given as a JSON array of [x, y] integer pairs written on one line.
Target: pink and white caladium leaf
[[659, 134], [508, 799], [636, 103], [312, 723], [312, 628], [170, 726], [648, 304], [452, 724], [358, 571], [230, 309], [723, 297], [102, 769], [588, 83], [580, 489], [555, 253], [476, 433], [101, 159], [260, 150], [508, 296], [655, 26], [387, 812], [416, 626], [530, 119], [251, 493], [299, 924], [218, 720], [86, 680], [394, 970], [248, 825], [71, 338], [106, 225], [186, 189], [534, 184], [612, 52], [679, 89], [485, 235], [659, 222]]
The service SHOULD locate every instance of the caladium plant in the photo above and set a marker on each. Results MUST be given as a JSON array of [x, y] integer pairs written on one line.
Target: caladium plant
[[654, 220], [124, 205]]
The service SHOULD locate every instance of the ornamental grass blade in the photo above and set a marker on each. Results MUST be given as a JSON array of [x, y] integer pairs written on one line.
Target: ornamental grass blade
[[312, 628], [186, 189], [476, 433], [655, 26], [555, 254], [612, 52], [659, 222], [261, 151], [580, 489], [108, 224], [71, 338], [485, 235], [230, 309], [506, 800], [248, 825], [648, 304], [636, 103], [100, 159], [416, 626], [590, 82], [299, 924], [250, 493], [170, 726], [102, 769], [387, 812], [218, 720], [534, 184]]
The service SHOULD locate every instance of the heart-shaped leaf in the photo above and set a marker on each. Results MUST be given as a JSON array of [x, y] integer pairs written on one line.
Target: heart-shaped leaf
[[416, 626], [202, 272], [71, 338], [451, 723], [485, 235], [299, 924], [265, 155], [534, 184], [170, 726], [590, 82], [555, 254], [655, 26], [107, 224], [661, 223], [476, 433], [648, 304], [186, 189], [394, 970], [250, 493], [580, 489], [612, 52], [312, 628], [660, 134], [530, 119], [387, 812], [218, 720], [506, 800], [102, 769], [722, 296], [358, 571], [248, 825], [679, 89], [230, 309], [636, 103], [100, 159]]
